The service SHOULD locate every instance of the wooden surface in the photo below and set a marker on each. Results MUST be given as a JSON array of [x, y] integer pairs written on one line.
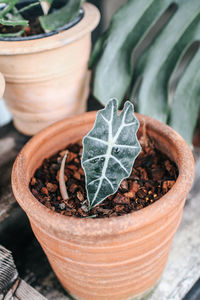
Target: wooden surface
[[183, 267]]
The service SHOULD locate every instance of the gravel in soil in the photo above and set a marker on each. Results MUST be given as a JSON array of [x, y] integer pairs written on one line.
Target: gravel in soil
[[153, 175]]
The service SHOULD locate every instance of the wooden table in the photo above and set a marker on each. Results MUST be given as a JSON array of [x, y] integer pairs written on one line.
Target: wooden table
[[183, 267]]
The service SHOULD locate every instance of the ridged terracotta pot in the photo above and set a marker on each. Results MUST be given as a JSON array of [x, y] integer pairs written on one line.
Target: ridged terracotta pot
[[2, 85], [110, 258], [47, 79]]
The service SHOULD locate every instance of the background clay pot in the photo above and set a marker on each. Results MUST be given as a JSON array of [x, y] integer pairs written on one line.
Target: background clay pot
[[47, 79], [2, 85], [111, 258]]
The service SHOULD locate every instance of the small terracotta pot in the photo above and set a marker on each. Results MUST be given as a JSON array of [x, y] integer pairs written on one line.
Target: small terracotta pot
[[110, 258], [2, 85], [47, 79]]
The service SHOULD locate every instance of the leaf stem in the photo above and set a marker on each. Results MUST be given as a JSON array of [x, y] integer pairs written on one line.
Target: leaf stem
[[63, 188]]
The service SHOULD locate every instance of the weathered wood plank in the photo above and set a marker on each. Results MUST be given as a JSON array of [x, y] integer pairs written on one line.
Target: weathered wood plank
[[25, 291], [10, 143]]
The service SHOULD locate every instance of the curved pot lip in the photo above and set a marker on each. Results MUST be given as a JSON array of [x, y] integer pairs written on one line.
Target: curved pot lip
[[103, 226], [88, 22]]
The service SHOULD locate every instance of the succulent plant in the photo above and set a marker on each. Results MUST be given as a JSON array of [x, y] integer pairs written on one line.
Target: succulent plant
[[11, 15]]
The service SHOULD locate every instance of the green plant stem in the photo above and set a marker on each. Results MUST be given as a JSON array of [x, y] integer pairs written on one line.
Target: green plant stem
[[28, 7], [14, 22], [8, 8]]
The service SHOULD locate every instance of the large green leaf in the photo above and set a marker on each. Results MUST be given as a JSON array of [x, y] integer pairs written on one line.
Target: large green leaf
[[157, 64], [98, 48], [128, 27], [109, 151], [186, 100], [61, 16]]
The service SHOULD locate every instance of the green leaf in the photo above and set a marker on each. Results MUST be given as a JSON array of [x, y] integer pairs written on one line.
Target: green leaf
[[109, 151], [186, 100], [98, 47], [61, 16], [128, 27], [158, 62]]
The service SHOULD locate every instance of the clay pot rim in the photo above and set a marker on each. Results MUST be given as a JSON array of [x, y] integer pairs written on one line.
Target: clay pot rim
[[88, 22], [104, 226]]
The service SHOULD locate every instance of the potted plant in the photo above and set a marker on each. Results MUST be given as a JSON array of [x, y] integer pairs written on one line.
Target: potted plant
[[113, 248], [45, 61]]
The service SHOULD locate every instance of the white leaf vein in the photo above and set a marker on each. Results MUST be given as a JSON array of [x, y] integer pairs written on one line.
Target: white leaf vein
[[119, 162], [93, 158], [97, 139], [109, 182], [104, 118], [126, 146]]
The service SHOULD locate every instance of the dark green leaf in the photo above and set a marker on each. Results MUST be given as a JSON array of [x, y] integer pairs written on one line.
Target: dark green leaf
[[186, 100], [97, 51], [159, 61], [109, 151], [128, 27], [61, 16]]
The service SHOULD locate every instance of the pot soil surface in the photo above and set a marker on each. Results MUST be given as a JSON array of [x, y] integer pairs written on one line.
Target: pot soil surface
[[33, 28], [152, 176]]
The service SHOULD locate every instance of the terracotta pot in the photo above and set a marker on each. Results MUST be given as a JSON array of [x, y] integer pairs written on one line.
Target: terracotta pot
[[2, 85], [47, 79], [111, 258]]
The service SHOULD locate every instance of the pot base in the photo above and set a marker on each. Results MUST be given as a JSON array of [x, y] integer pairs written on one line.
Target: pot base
[[142, 296]]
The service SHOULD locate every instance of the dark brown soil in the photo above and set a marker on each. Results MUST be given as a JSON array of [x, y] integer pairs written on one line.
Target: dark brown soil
[[152, 176], [34, 28]]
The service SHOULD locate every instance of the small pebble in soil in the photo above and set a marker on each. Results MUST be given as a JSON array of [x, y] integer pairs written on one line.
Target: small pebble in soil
[[152, 176]]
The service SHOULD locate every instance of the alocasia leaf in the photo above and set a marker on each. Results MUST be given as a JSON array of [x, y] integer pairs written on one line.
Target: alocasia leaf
[[109, 151]]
